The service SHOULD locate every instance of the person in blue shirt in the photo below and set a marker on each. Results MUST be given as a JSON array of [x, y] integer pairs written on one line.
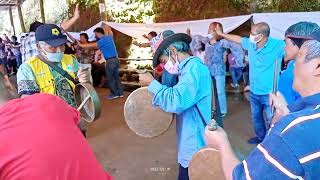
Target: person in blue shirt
[[263, 51], [294, 38], [291, 148], [105, 43], [190, 99]]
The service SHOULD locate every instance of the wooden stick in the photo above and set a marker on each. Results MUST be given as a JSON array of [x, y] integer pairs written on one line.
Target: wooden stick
[[84, 102]]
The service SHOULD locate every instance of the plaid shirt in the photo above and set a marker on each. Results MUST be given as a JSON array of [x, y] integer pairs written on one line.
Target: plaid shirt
[[29, 47]]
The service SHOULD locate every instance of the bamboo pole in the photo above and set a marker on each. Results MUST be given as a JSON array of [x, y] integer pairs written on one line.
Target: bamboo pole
[[42, 11]]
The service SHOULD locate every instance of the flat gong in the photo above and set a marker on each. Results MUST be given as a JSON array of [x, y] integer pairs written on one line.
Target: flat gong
[[206, 165], [87, 101], [142, 117]]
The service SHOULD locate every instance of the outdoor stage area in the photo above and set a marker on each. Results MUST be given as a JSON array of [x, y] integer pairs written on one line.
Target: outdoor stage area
[[129, 157]]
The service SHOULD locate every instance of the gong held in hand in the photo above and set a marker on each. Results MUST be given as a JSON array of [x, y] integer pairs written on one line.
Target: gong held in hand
[[206, 163], [87, 101], [142, 117]]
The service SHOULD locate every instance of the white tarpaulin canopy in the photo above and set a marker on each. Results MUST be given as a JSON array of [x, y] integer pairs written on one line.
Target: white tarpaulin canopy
[[278, 22]]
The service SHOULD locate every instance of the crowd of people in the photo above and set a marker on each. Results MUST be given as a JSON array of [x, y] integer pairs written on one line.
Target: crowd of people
[[43, 125]]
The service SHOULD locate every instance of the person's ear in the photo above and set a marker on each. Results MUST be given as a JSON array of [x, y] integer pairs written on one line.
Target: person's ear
[[316, 71]]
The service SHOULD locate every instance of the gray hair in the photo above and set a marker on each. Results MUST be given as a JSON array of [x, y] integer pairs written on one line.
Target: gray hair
[[313, 50], [263, 28]]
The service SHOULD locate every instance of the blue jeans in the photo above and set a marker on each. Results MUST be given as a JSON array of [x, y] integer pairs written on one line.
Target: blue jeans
[[19, 60], [112, 71], [260, 104], [236, 74], [221, 92], [183, 173]]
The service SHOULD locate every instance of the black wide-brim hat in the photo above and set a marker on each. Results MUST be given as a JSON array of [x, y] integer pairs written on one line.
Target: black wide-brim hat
[[167, 42]]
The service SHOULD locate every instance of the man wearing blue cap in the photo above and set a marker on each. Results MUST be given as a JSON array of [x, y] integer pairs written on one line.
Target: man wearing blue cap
[[52, 71], [190, 99]]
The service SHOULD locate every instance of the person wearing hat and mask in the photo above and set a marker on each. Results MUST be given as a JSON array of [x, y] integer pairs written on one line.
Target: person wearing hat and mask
[[291, 148], [52, 71], [295, 36], [167, 78], [41, 140], [190, 99]]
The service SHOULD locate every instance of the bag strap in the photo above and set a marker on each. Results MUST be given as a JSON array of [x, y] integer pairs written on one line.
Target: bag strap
[[58, 69]]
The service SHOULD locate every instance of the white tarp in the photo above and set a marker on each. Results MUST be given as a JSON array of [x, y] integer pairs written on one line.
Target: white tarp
[[200, 27], [279, 22]]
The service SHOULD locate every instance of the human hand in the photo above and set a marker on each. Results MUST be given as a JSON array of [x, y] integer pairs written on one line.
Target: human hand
[[216, 139], [145, 79], [76, 13], [218, 30], [188, 31], [278, 102], [84, 75]]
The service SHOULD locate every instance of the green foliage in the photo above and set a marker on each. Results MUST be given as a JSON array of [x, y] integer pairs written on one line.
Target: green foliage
[[131, 11]]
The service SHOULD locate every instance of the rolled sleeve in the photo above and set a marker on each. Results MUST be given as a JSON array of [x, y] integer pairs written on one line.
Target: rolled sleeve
[[245, 42], [26, 81]]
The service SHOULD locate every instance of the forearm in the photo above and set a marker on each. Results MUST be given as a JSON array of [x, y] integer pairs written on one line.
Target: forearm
[[228, 160], [89, 45], [231, 37], [68, 23]]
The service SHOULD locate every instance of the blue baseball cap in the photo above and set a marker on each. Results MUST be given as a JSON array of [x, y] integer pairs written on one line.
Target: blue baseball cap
[[51, 34]]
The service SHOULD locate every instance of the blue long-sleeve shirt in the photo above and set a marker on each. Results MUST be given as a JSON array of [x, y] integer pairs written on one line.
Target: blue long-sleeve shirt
[[191, 96]]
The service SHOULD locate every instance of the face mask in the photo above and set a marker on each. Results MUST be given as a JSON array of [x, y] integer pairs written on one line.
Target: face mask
[[170, 67], [210, 36], [53, 57], [253, 37]]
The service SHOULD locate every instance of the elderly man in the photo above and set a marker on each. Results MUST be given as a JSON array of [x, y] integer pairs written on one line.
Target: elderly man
[[42, 141], [291, 148], [263, 51], [29, 44], [190, 99], [295, 36], [52, 71]]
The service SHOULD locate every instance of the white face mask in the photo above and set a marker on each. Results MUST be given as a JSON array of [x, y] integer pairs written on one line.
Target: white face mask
[[210, 36], [52, 57], [253, 37], [170, 67]]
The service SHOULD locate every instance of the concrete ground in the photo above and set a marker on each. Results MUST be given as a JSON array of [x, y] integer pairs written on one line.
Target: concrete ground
[[127, 156]]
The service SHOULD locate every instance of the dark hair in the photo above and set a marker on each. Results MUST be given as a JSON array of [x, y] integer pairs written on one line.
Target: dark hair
[[85, 36], [153, 34], [203, 46], [34, 26], [298, 41], [99, 30], [14, 37], [0, 39]]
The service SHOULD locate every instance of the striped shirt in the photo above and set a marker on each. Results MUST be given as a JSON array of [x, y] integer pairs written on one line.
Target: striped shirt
[[291, 150]]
